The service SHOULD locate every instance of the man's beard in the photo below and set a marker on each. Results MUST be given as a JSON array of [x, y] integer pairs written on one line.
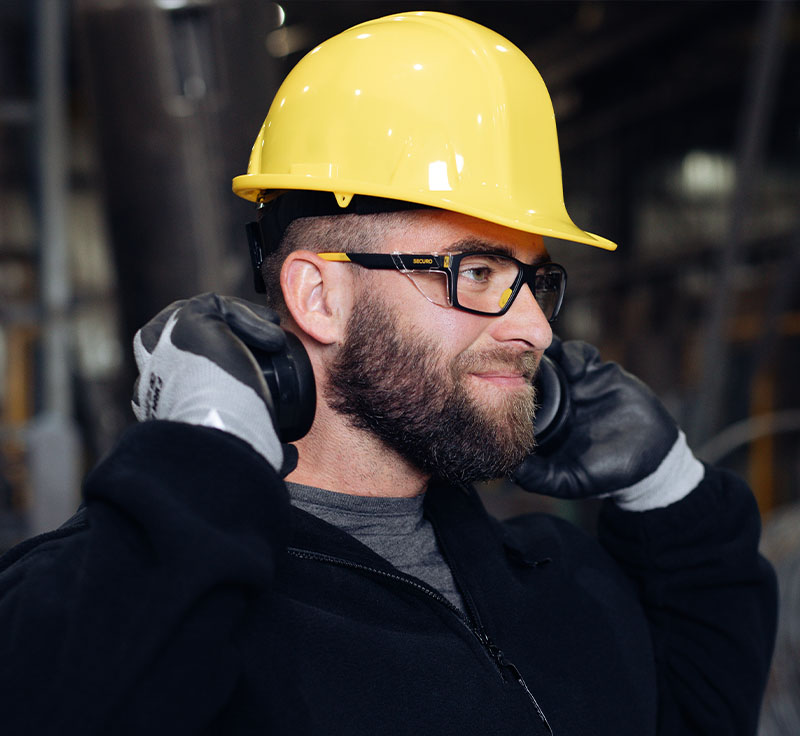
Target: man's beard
[[395, 386]]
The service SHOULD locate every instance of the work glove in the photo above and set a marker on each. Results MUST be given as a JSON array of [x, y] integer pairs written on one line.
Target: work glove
[[195, 367], [620, 440]]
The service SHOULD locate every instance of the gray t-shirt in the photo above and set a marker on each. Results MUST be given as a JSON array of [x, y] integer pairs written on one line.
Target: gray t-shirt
[[394, 528]]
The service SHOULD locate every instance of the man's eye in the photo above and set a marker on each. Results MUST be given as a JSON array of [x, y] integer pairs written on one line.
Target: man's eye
[[477, 274]]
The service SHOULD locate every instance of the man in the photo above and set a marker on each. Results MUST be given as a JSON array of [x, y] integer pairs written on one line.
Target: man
[[408, 170]]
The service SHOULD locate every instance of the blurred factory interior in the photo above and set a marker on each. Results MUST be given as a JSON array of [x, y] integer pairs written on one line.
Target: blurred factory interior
[[122, 123]]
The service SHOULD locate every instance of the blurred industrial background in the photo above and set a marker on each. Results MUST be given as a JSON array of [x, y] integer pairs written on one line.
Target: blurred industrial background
[[122, 123]]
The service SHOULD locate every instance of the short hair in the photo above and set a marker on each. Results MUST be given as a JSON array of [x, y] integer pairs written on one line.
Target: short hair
[[335, 233]]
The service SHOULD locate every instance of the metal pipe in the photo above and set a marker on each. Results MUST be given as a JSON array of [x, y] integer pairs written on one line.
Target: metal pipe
[[52, 440], [51, 105], [748, 430]]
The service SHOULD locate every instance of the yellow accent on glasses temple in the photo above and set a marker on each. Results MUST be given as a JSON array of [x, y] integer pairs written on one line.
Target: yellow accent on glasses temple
[[504, 297], [334, 257]]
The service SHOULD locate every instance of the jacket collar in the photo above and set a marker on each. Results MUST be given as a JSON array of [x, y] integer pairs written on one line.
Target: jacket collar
[[312, 534], [471, 542]]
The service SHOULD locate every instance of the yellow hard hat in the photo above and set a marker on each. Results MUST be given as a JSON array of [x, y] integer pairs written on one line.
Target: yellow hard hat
[[421, 107]]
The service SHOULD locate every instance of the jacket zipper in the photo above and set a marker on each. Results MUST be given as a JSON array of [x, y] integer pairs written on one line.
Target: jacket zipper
[[492, 651]]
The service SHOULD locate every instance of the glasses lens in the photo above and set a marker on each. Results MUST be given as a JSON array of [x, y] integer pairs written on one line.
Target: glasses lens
[[431, 284], [549, 289], [485, 282]]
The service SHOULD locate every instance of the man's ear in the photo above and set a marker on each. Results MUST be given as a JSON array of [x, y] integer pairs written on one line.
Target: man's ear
[[318, 295]]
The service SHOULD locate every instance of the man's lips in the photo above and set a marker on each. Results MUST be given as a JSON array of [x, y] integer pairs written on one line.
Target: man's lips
[[503, 378]]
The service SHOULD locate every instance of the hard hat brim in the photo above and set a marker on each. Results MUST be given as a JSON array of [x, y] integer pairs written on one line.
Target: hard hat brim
[[265, 187]]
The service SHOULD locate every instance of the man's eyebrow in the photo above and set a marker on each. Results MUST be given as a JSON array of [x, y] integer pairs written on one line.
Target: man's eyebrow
[[476, 244], [466, 245]]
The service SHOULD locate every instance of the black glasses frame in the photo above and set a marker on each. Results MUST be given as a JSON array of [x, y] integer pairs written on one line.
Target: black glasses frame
[[449, 263]]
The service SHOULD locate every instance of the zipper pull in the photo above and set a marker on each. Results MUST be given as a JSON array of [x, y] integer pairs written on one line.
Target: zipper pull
[[502, 663], [511, 667], [494, 651]]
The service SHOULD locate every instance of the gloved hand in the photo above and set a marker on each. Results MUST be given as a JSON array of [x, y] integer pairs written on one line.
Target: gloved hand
[[621, 441], [195, 367]]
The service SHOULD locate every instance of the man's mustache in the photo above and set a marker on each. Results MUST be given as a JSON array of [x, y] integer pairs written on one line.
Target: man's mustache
[[502, 360]]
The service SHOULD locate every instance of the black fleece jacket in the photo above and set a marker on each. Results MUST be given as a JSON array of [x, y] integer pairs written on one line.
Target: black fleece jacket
[[189, 597]]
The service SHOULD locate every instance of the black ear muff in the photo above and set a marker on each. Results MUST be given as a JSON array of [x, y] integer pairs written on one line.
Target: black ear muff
[[290, 379], [255, 238], [555, 406]]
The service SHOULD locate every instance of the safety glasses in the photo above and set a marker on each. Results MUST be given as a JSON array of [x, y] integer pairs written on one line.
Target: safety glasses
[[480, 283]]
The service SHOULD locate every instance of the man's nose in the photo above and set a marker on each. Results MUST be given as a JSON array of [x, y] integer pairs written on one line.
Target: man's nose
[[524, 322]]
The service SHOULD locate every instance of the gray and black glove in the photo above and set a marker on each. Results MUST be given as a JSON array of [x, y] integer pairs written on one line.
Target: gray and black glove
[[620, 441], [195, 367]]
